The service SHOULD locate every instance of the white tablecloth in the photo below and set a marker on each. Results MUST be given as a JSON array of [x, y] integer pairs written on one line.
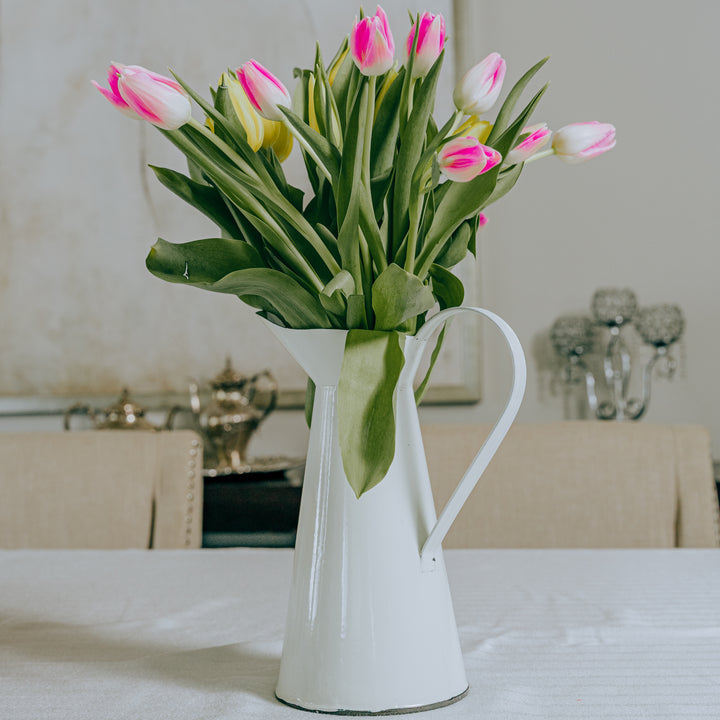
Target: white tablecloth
[[110, 635]]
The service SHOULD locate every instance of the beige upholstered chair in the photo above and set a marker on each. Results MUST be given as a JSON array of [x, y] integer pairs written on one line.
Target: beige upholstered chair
[[580, 484], [101, 489]]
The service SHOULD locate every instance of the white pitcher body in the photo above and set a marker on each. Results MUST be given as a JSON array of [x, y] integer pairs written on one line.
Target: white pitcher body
[[370, 626]]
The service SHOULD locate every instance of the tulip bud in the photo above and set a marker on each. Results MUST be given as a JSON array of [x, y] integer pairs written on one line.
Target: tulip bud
[[477, 92], [140, 93], [430, 42], [578, 142], [464, 158], [482, 220], [264, 90], [536, 136], [371, 44]]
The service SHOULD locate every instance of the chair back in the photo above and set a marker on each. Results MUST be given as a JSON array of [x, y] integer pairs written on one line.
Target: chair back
[[101, 489], [580, 484]]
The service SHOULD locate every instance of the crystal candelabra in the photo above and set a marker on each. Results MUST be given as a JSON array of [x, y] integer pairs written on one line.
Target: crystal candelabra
[[574, 338]]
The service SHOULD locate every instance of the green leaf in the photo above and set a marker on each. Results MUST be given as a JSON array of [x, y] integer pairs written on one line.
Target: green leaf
[[334, 295], [309, 401], [457, 247], [422, 387], [205, 198], [412, 140], [371, 366], [398, 296], [203, 264], [385, 129], [200, 262], [447, 288], [352, 154], [505, 113], [356, 315]]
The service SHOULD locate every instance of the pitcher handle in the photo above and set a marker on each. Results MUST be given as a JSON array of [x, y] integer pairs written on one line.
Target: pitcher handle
[[493, 440]]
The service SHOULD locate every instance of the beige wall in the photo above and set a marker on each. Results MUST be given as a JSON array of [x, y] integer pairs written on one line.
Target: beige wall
[[643, 216]]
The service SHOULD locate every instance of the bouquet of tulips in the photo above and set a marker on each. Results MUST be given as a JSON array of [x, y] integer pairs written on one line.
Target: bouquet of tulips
[[395, 202]]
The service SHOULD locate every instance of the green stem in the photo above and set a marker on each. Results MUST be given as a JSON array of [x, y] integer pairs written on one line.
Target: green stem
[[412, 236], [541, 154], [367, 141]]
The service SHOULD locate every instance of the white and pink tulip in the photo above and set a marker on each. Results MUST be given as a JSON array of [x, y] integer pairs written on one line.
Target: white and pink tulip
[[480, 87], [430, 43], [579, 142], [143, 94], [371, 44], [536, 137], [264, 90], [464, 158]]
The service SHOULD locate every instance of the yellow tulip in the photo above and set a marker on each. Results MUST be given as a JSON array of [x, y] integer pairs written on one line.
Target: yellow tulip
[[473, 127], [283, 143], [249, 118]]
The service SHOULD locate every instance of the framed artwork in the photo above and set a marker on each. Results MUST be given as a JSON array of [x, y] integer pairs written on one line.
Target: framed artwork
[[82, 318]]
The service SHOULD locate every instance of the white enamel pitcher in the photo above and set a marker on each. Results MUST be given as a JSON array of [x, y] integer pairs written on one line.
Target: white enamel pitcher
[[371, 627]]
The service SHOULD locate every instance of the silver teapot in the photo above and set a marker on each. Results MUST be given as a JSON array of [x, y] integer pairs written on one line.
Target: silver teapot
[[125, 414], [237, 406]]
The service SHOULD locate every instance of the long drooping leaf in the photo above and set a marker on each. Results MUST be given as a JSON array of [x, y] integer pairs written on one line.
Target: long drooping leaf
[[505, 113], [398, 296], [201, 196], [371, 366], [289, 300], [200, 262]]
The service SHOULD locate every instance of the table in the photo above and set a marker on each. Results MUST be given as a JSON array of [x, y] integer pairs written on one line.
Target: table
[[110, 635]]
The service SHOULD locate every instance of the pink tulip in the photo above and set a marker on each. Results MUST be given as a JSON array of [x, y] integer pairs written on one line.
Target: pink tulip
[[464, 158], [264, 90], [430, 42], [578, 142], [537, 136], [141, 93], [371, 44], [477, 92], [482, 220]]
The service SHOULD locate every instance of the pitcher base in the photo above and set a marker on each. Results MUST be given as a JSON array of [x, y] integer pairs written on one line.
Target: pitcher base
[[390, 711]]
